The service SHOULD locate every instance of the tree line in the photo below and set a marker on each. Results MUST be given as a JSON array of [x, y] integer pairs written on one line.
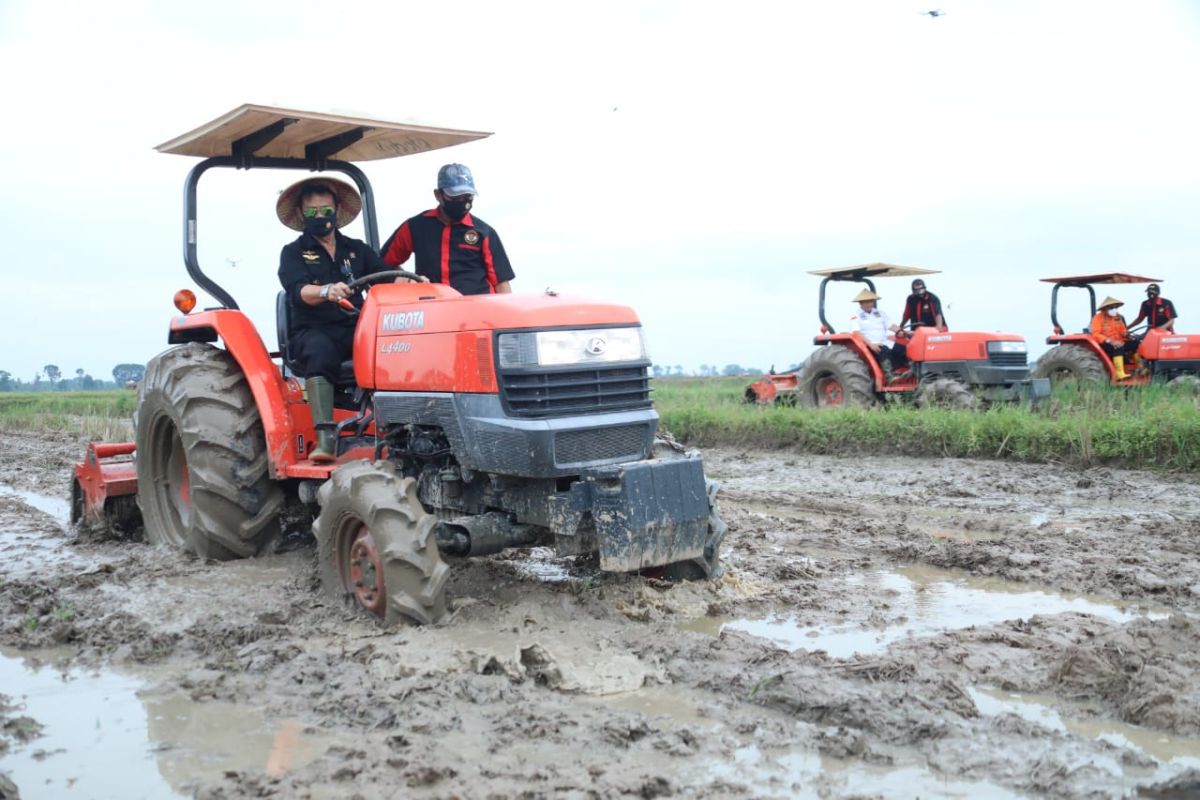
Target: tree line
[[52, 378]]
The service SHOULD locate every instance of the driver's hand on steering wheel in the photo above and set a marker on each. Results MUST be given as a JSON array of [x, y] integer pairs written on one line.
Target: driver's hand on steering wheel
[[417, 279], [339, 291]]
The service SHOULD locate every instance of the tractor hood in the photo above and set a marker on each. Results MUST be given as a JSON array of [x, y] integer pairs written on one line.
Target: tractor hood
[[429, 338]]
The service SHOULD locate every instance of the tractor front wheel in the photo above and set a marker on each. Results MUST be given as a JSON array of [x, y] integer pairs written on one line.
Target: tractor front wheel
[[1071, 362], [835, 375], [202, 478], [376, 545], [944, 393]]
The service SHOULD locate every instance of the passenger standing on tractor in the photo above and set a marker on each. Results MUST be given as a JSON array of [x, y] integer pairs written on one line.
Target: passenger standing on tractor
[[1158, 311], [314, 271], [1108, 328], [450, 245], [873, 325], [923, 308]]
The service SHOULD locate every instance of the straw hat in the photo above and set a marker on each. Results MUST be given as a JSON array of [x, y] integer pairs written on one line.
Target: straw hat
[[1110, 301], [865, 294], [287, 207]]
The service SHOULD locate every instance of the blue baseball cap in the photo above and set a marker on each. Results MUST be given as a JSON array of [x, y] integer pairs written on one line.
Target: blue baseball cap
[[455, 180]]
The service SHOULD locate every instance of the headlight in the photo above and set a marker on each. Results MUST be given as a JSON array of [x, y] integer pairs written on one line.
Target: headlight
[[562, 348], [1007, 347]]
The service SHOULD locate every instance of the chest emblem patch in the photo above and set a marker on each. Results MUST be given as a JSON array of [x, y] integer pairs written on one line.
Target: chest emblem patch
[[310, 256], [471, 236]]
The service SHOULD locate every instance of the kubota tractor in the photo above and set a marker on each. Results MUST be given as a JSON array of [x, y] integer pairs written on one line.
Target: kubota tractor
[[947, 368], [467, 425], [1162, 355]]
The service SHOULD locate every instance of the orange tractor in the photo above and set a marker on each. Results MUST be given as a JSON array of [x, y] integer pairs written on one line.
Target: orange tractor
[[947, 368], [465, 426], [1162, 355]]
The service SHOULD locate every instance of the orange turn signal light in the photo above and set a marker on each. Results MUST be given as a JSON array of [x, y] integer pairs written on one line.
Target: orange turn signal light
[[824, 329], [185, 300], [1057, 331]]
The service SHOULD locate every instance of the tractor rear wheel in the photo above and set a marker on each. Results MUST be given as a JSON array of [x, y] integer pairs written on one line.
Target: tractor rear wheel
[[376, 546], [1070, 362], [203, 484], [835, 375], [944, 393], [1185, 383]]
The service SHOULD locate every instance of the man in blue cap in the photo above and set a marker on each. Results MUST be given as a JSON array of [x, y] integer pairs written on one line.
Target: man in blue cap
[[449, 244]]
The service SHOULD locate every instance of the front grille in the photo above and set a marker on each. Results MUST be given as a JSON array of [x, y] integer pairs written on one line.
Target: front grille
[[577, 447], [1007, 359], [539, 393]]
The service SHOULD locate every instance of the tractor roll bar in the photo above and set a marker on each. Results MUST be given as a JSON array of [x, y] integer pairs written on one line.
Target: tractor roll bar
[[1054, 302], [316, 163], [821, 297]]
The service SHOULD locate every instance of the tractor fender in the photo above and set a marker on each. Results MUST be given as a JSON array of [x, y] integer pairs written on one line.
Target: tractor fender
[[266, 382]]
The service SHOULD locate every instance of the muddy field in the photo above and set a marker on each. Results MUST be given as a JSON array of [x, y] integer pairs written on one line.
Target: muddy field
[[885, 627]]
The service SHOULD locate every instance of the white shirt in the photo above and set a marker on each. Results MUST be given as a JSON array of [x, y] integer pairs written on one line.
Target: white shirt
[[873, 325]]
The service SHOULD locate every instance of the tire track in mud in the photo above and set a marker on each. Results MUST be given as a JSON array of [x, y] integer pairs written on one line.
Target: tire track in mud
[[595, 685]]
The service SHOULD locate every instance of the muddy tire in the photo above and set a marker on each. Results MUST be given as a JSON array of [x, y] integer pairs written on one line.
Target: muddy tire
[[203, 481], [1070, 362], [835, 376], [376, 546], [1185, 384], [945, 393]]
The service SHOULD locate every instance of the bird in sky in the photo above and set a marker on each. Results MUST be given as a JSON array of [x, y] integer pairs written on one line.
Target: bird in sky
[[937, 12], [233, 262]]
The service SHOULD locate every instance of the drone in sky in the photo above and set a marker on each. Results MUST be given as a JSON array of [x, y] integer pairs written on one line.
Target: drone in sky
[[934, 14]]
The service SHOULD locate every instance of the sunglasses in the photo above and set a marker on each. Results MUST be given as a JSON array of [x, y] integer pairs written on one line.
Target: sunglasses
[[318, 211]]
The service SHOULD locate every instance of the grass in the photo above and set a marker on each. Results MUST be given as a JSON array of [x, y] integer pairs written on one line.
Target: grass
[[1150, 426], [95, 415], [1138, 427]]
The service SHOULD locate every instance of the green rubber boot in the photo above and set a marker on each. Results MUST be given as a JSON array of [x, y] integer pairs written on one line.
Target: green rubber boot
[[320, 403]]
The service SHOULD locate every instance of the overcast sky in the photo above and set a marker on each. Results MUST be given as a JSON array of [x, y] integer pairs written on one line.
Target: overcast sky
[[691, 159]]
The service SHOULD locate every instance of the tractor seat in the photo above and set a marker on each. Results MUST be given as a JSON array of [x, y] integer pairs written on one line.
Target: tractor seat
[[283, 331]]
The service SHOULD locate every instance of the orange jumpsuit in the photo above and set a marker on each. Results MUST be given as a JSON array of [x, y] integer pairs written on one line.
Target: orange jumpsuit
[[1105, 327]]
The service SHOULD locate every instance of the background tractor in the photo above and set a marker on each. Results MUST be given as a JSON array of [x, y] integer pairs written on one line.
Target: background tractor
[[1161, 355], [466, 425], [947, 368]]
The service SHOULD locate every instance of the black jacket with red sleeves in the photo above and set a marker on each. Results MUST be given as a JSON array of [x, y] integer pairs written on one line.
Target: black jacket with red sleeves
[[922, 309], [467, 254]]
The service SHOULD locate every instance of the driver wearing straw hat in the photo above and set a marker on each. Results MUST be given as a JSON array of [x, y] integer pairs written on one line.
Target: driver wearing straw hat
[[314, 271], [1108, 328], [873, 325]]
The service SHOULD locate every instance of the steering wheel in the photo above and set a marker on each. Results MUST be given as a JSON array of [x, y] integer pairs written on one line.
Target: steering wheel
[[374, 277]]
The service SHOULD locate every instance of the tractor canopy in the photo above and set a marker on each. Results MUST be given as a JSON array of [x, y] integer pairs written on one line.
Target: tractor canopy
[[876, 270], [265, 137], [1100, 277], [253, 131]]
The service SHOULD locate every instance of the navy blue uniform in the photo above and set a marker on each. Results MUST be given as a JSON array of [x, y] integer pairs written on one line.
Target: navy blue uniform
[[322, 336]]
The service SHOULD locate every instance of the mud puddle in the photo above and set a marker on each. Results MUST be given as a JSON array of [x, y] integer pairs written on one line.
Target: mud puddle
[[108, 734], [810, 776], [916, 601], [56, 507], [1173, 754]]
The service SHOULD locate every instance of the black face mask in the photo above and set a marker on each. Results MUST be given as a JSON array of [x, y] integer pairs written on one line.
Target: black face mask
[[319, 226], [454, 210]]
